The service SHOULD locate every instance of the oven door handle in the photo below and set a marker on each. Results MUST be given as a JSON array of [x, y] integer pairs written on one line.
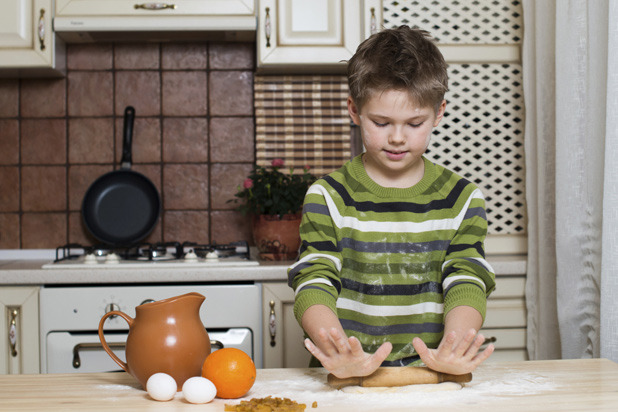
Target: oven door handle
[[92, 346], [216, 343], [115, 345]]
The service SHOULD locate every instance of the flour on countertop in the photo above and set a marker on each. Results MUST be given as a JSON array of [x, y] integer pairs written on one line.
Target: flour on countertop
[[313, 387]]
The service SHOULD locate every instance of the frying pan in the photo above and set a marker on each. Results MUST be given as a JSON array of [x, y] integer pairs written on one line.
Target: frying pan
[[122, 207]]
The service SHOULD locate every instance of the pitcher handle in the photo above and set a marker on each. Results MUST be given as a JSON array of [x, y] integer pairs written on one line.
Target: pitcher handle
[[112, 355]]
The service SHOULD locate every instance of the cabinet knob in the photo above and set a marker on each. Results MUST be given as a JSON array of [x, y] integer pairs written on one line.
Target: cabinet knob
[[13, 332], [155, 6], [267, 26], [272, 323], [41, 30]]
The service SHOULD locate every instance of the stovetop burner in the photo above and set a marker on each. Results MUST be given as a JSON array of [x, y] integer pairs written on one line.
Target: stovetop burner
[[155, 252]]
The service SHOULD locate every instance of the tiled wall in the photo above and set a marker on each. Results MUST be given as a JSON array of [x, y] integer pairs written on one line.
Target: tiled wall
[[193, 137]]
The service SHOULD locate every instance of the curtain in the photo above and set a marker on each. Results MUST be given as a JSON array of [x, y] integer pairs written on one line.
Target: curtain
[[570, 87]]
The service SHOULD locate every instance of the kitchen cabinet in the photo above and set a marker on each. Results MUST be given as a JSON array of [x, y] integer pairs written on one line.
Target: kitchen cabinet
[[28, 45], [66, 8], [283, 336], [299, 35], [19, 324], [117, 20]]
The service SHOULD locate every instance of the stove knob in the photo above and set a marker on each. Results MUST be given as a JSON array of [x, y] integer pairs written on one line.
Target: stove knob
[[110, 307]]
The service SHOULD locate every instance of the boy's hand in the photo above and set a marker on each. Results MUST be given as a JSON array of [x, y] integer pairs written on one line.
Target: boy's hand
[[456, 355], [344, 357]]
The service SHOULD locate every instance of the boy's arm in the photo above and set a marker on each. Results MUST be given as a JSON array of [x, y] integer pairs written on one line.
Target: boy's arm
[[458, 353], [342, 356]]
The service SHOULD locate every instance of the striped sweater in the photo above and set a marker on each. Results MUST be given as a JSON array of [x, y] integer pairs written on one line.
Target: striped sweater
[[392, 262]]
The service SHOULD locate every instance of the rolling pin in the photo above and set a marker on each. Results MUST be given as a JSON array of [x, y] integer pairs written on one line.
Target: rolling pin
[[398, 376]]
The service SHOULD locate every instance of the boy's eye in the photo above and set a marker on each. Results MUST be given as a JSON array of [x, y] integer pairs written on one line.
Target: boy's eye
[[379, 124], [416, 124]]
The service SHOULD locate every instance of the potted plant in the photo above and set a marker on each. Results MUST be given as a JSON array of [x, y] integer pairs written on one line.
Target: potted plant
[[274, 200]]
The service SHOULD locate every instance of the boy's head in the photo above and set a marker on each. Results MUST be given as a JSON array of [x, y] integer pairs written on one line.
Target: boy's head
[[398, 59]]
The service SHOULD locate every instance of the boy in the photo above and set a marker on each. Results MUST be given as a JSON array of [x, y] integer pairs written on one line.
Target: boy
[[392, 270]]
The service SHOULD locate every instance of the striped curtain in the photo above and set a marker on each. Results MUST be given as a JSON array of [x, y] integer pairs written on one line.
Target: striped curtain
[[303, 120]]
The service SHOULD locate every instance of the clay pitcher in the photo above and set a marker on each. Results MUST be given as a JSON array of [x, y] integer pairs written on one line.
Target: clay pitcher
[[166, 336]]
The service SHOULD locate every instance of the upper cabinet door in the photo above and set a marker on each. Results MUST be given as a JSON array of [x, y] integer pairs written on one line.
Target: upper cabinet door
[[26, 36], [66, 8], [303, 35]]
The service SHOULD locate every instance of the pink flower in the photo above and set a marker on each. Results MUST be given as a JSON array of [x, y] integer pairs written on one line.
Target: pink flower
[[248, 183], [277, 162], [307, 167]]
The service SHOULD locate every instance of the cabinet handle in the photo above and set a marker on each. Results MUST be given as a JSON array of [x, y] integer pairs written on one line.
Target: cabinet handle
[[373, 25], [272, 323], [490, 340], [41, 30], [155, 6], [13, 332], [267, 28]]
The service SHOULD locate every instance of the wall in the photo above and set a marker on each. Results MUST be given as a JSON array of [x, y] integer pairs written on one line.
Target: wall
[[193, 137]]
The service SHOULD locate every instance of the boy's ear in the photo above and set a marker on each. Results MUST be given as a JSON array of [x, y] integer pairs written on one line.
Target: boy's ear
[[353, 110], [440, 113]]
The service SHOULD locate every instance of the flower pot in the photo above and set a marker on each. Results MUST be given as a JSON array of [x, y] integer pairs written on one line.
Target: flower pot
[[277, 238]]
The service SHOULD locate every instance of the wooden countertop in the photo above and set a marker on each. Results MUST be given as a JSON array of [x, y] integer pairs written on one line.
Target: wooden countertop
[[563, 385]]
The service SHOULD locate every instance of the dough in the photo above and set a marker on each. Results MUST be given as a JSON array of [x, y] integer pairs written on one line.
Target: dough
[[437, 387]]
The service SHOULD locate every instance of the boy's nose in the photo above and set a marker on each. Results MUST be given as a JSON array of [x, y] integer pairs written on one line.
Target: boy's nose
[[397, 136]]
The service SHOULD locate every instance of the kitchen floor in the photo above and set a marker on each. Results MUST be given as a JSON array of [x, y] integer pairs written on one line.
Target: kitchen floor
[[193, 137]]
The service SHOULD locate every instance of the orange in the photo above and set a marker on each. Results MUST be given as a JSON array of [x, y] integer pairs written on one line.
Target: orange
[[231, 370]]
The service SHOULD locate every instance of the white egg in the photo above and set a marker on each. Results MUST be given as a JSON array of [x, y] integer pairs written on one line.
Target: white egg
[[199, 390], [161, 387]]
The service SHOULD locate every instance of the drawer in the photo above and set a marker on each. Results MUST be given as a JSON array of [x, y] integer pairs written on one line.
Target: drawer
[[509, 287], [505, 313]]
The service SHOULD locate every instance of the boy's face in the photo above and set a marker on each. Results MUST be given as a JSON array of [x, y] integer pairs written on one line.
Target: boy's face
[[396, 132]]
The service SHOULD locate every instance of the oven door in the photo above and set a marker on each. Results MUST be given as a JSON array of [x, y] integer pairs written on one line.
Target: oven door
[[82, 352]]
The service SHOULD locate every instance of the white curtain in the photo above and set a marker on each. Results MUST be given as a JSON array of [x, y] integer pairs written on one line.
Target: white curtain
[[570, 64]]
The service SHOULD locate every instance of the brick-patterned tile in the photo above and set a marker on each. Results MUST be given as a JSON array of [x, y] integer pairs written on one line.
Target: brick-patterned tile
[[232, 139], [184, 56], [185, 139], [9, 231], [91, 140], [185, 187], [184, 93], [135, 56], [231, 93], [89, 56], [9, 141], [43, 188], [43, 141], [9, 97], [43, 98], [9, 187], [140, 89], [186, 226], [230, 226], [90, 93], [232, 56], [224, 181], [43, 230]]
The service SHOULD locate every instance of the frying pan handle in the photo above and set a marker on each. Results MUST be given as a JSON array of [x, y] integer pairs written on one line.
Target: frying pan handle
[[127, 137]]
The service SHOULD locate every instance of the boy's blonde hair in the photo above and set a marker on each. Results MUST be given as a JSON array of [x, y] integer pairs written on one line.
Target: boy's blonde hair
[[399, 59]]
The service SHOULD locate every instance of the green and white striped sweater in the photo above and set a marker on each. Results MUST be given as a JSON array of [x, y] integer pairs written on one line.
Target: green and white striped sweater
[[392, 262]]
